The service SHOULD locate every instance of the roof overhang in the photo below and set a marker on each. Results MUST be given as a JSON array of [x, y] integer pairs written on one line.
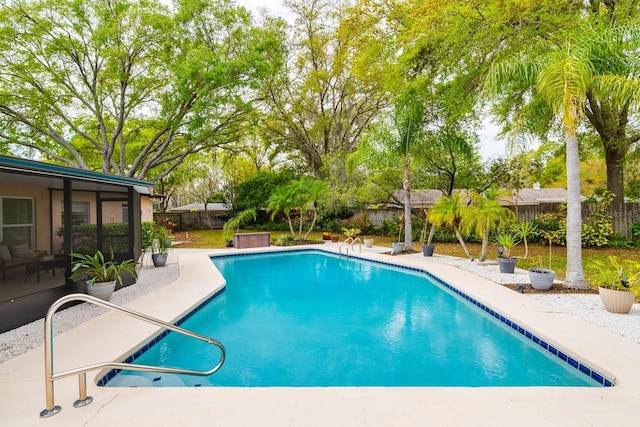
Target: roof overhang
[[30, 172]]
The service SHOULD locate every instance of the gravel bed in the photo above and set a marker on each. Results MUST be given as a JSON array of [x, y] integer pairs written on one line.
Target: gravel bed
[[20, 340], [588, 307]]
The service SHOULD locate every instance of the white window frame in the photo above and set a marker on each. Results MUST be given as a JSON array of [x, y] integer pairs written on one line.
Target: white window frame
[[32, 225]]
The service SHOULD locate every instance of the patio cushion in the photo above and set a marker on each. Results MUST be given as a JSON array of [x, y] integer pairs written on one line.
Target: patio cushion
[[21, 251], [5, 254]]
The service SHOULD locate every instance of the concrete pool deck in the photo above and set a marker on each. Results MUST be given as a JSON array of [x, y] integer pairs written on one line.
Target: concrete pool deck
[[112, 336]]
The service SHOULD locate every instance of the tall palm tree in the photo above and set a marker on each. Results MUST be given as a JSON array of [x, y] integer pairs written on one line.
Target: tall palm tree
[[561, 78], [448, 211], [484, 214]]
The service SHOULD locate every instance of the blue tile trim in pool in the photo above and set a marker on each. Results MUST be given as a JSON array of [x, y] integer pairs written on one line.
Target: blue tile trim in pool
[[112, 373], [586, 370]]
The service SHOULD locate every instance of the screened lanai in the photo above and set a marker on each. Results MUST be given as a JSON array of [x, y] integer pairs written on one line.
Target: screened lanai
[[48, 212]]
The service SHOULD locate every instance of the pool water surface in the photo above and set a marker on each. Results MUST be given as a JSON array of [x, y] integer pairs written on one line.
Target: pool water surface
[[311, 319]]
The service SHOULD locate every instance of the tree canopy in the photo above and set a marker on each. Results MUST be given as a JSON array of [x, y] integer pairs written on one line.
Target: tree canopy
[[130, 87]]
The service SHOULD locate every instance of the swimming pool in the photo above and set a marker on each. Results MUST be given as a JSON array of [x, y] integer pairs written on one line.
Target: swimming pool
[[307, 318]]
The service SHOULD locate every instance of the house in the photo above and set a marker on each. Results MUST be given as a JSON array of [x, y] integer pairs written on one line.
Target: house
[[36, 201]]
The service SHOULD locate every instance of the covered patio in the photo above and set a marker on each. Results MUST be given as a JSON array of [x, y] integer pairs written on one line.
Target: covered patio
[[48, 212]]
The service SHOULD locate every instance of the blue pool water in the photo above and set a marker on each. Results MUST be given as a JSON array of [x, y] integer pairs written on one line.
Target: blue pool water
[[312, 319]]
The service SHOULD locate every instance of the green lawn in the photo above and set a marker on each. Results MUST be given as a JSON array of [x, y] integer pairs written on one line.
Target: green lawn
[[214, 239]]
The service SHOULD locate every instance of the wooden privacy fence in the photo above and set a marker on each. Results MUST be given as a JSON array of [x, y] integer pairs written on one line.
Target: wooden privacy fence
[[622, 221], [186, 221]]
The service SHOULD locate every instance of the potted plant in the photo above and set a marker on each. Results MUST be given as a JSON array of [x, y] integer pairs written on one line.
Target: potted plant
[[103, 274], [351, 233], [398, 246], [160, 246], [368, 241], [542, 278], [618, 283], [427, 247], [506, 242]]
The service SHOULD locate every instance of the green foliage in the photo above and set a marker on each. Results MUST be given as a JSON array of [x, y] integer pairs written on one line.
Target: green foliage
[[623, 275], [598, 228], [234, 223], [129, 87], [147, 234], [84, 237], [351, 232], [507, 241], [282, 240], [255, 191], [98, 269], [360, 223]]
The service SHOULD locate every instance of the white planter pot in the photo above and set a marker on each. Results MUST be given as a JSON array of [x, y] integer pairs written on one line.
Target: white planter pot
[[102, 290], [368, 243], [616, 301], [541, 278], [397, 247]]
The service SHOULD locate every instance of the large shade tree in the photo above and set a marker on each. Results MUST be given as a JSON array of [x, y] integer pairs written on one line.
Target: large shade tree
[[316, 106], [129, 87]]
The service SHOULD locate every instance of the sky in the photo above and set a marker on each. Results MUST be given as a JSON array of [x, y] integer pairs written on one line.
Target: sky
[[490, 145]]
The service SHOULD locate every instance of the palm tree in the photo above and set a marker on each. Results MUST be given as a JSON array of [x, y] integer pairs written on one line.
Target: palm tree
[[448, 211], [282, 200], [313, 190], [561, 78], [484, 214]]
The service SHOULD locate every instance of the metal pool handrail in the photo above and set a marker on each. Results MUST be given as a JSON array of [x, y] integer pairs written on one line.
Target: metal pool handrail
[[349, 244], [83, 399]]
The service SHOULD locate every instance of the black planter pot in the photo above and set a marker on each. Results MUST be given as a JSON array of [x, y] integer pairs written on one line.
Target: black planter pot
[[159, 260], [507, 265], [427, 250]]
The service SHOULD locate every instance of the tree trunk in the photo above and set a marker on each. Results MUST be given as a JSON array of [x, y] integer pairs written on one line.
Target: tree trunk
[[462, 243], [575, 272], [614, 155], [406, 184], [485, 244]]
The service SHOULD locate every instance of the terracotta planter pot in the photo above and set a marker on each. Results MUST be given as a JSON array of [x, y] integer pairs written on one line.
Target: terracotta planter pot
[[616, 301], [334, 238]]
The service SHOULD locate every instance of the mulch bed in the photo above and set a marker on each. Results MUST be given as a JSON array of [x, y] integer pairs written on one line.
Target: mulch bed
[[556, 289]]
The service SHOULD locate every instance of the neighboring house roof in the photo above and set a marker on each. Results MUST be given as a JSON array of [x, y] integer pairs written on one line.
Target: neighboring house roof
[[199, 207], [524, 196], [33, 172]]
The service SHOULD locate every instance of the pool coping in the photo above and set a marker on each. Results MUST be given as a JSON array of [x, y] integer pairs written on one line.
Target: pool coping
[[611, 354]]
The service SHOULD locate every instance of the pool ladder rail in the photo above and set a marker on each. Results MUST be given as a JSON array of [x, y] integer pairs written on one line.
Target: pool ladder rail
[[349, 244], [83, 399]]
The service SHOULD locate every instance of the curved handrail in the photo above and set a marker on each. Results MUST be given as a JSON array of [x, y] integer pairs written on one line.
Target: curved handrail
[[83, 400], [349, 244]]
